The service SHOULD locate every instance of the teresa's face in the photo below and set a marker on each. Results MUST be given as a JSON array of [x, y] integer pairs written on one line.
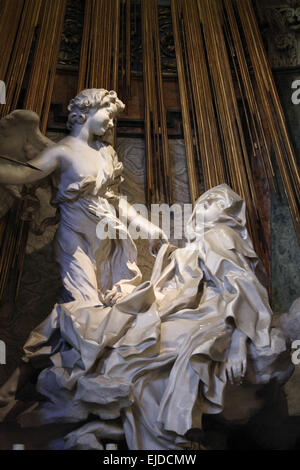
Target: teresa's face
[[209, 209], [101, 119]]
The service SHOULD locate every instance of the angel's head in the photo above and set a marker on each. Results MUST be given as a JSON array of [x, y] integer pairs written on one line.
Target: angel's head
[[219, 205], [95, 108]]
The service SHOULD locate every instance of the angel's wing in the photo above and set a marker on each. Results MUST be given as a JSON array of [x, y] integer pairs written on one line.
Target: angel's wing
[[21, 139]]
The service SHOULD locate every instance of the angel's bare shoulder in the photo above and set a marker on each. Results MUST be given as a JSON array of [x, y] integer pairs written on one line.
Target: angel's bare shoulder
[[68, 147], [52, 157], [61, 150]]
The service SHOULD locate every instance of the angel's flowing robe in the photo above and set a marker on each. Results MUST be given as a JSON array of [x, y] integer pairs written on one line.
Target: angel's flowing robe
[[91, 266]]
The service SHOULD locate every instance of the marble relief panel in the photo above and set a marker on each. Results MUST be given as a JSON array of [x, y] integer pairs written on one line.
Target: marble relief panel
[[280, 25]]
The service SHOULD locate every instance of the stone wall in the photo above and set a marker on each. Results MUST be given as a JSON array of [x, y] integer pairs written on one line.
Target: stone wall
[[279, 22]]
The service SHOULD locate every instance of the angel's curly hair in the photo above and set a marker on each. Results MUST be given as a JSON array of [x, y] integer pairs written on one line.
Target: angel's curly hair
[[80, 106]]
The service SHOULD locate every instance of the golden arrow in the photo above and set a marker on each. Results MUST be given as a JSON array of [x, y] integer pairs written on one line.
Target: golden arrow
[[17, 162]]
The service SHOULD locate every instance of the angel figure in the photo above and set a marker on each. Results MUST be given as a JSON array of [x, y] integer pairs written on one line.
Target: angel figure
[[93, 270]]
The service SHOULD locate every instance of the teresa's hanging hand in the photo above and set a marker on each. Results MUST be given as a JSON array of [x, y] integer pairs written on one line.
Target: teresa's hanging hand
[[236, 364]]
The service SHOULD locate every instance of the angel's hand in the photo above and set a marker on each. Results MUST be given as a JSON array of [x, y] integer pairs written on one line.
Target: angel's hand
[[156, 240]]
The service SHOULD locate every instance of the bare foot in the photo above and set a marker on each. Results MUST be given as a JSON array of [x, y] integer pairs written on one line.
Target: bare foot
[[112, 297]]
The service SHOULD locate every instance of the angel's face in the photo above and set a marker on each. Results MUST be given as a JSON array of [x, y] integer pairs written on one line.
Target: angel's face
[[101, 119], [209, 208]]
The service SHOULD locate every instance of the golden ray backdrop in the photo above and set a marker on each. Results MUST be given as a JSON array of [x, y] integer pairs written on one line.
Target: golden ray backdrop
[[43, 67], [18, 22], [233, 122], [156, 134], [221, 61], [222, 151], [125, 49], [26, 25], [99, 59]]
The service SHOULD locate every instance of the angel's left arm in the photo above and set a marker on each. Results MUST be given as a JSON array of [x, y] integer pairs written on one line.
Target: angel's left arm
[[128, 212]]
